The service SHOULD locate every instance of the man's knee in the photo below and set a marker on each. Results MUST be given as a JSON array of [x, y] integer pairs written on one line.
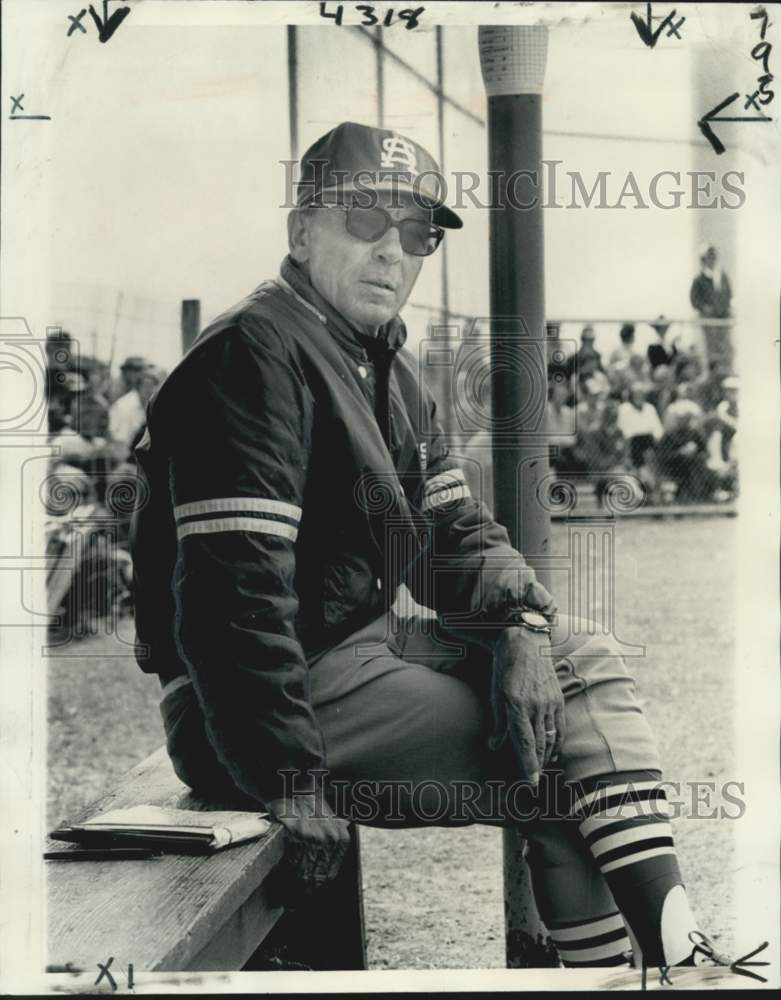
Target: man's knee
[[585, 639]]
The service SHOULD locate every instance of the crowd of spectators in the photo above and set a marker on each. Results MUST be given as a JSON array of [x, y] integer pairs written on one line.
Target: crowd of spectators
[[95, 419], [659, 414]]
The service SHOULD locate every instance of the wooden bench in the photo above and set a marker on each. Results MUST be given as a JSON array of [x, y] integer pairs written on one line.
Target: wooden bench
[[220, 912]]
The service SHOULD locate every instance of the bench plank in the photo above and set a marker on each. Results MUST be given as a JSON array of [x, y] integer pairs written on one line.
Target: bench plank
[[159, 914]]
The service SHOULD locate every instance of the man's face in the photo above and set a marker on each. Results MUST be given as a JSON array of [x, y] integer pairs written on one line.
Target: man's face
[[367, 283]]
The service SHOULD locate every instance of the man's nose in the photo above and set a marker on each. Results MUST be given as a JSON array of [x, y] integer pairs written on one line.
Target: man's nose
[[389, 248]]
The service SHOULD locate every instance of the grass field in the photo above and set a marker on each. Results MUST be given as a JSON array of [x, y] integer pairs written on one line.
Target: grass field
[[434, 897]]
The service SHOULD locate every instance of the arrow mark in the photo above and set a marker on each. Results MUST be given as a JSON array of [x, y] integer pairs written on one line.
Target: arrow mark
[[712, 116]]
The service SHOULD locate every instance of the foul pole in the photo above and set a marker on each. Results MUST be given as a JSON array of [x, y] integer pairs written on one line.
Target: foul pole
[[513, 64]]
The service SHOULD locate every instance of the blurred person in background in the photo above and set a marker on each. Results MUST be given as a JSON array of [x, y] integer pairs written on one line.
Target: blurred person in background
[[560, 427], [662, 392], [586, 359], [688, 365], [711, 296], [710, 390], [127, 413], [151, 377], [600, 447], [626, 350], [711, 293], [92, 413], [727, 413], [683, 461], [642, 429], [661, 351], [128, 378], [683, 404]]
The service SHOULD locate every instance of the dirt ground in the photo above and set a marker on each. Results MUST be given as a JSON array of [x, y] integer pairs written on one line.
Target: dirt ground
[[434, 897]]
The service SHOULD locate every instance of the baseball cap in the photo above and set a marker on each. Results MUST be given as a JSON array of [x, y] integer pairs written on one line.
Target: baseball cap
[[354, 157]]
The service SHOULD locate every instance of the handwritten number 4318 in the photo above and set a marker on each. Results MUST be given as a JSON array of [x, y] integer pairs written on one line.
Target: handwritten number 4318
[[409, 16]]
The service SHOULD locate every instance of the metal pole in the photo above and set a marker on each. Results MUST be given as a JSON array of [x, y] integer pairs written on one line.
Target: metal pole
[[513, 64]]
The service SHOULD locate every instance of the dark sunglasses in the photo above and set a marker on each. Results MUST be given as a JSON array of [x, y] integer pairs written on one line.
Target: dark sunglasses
[[372, 223]]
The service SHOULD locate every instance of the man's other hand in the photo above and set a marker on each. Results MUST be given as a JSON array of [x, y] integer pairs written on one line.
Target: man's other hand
[[317, 838], [527, 700]]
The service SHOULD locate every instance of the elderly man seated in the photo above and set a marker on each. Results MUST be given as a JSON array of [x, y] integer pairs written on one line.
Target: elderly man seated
[[297, 475]]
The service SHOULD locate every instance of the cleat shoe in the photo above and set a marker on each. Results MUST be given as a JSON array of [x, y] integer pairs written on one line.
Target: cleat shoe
[[705, 955]]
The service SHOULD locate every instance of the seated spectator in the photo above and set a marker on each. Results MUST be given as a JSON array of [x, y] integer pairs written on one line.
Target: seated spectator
[[682, 405], [561, 427], [639, 423], [626, 350], [710, 391], [683, 461], [663, 391], [727, 413], [720, 430], [687, 365], [661, 352], [588, 411], [91, 414], [592, 382], [600, 447]]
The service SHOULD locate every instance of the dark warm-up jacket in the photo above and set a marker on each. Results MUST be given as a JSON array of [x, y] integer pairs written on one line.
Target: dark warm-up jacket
[[295, 474]]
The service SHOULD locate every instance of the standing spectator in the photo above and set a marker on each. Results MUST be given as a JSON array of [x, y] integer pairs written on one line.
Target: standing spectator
[[639, 422], [127, 414], [129, 377], [661, 352], [626, 350], [585, 355], [711, 296]]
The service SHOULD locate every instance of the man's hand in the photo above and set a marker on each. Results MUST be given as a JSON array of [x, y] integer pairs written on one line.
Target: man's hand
[[527, 700], [317, 839]]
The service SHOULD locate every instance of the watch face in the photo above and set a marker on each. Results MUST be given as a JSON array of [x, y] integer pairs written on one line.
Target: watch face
[[535, 619]]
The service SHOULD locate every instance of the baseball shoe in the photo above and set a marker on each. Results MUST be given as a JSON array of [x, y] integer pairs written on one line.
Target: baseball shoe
[[704, 955]]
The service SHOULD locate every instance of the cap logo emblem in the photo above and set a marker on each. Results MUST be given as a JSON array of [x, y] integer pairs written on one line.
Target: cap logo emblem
[[398, 152]]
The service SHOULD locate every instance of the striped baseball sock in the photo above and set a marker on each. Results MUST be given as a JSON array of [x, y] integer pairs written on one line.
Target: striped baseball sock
[[601, 941], [625, 822]]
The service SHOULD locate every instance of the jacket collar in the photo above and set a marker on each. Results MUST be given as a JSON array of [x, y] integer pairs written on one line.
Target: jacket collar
[[391, 336]]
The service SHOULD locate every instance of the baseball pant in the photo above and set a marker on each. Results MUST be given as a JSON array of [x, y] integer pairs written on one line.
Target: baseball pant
[[404, 709]]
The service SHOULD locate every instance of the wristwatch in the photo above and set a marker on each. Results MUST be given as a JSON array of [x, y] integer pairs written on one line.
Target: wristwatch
[[532, 620]]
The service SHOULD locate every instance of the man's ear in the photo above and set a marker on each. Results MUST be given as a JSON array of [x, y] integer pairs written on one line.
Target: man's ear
[[298, 236]]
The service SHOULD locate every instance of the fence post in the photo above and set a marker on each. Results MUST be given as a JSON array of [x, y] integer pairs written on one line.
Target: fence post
[[513, 66], [191, 322]]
